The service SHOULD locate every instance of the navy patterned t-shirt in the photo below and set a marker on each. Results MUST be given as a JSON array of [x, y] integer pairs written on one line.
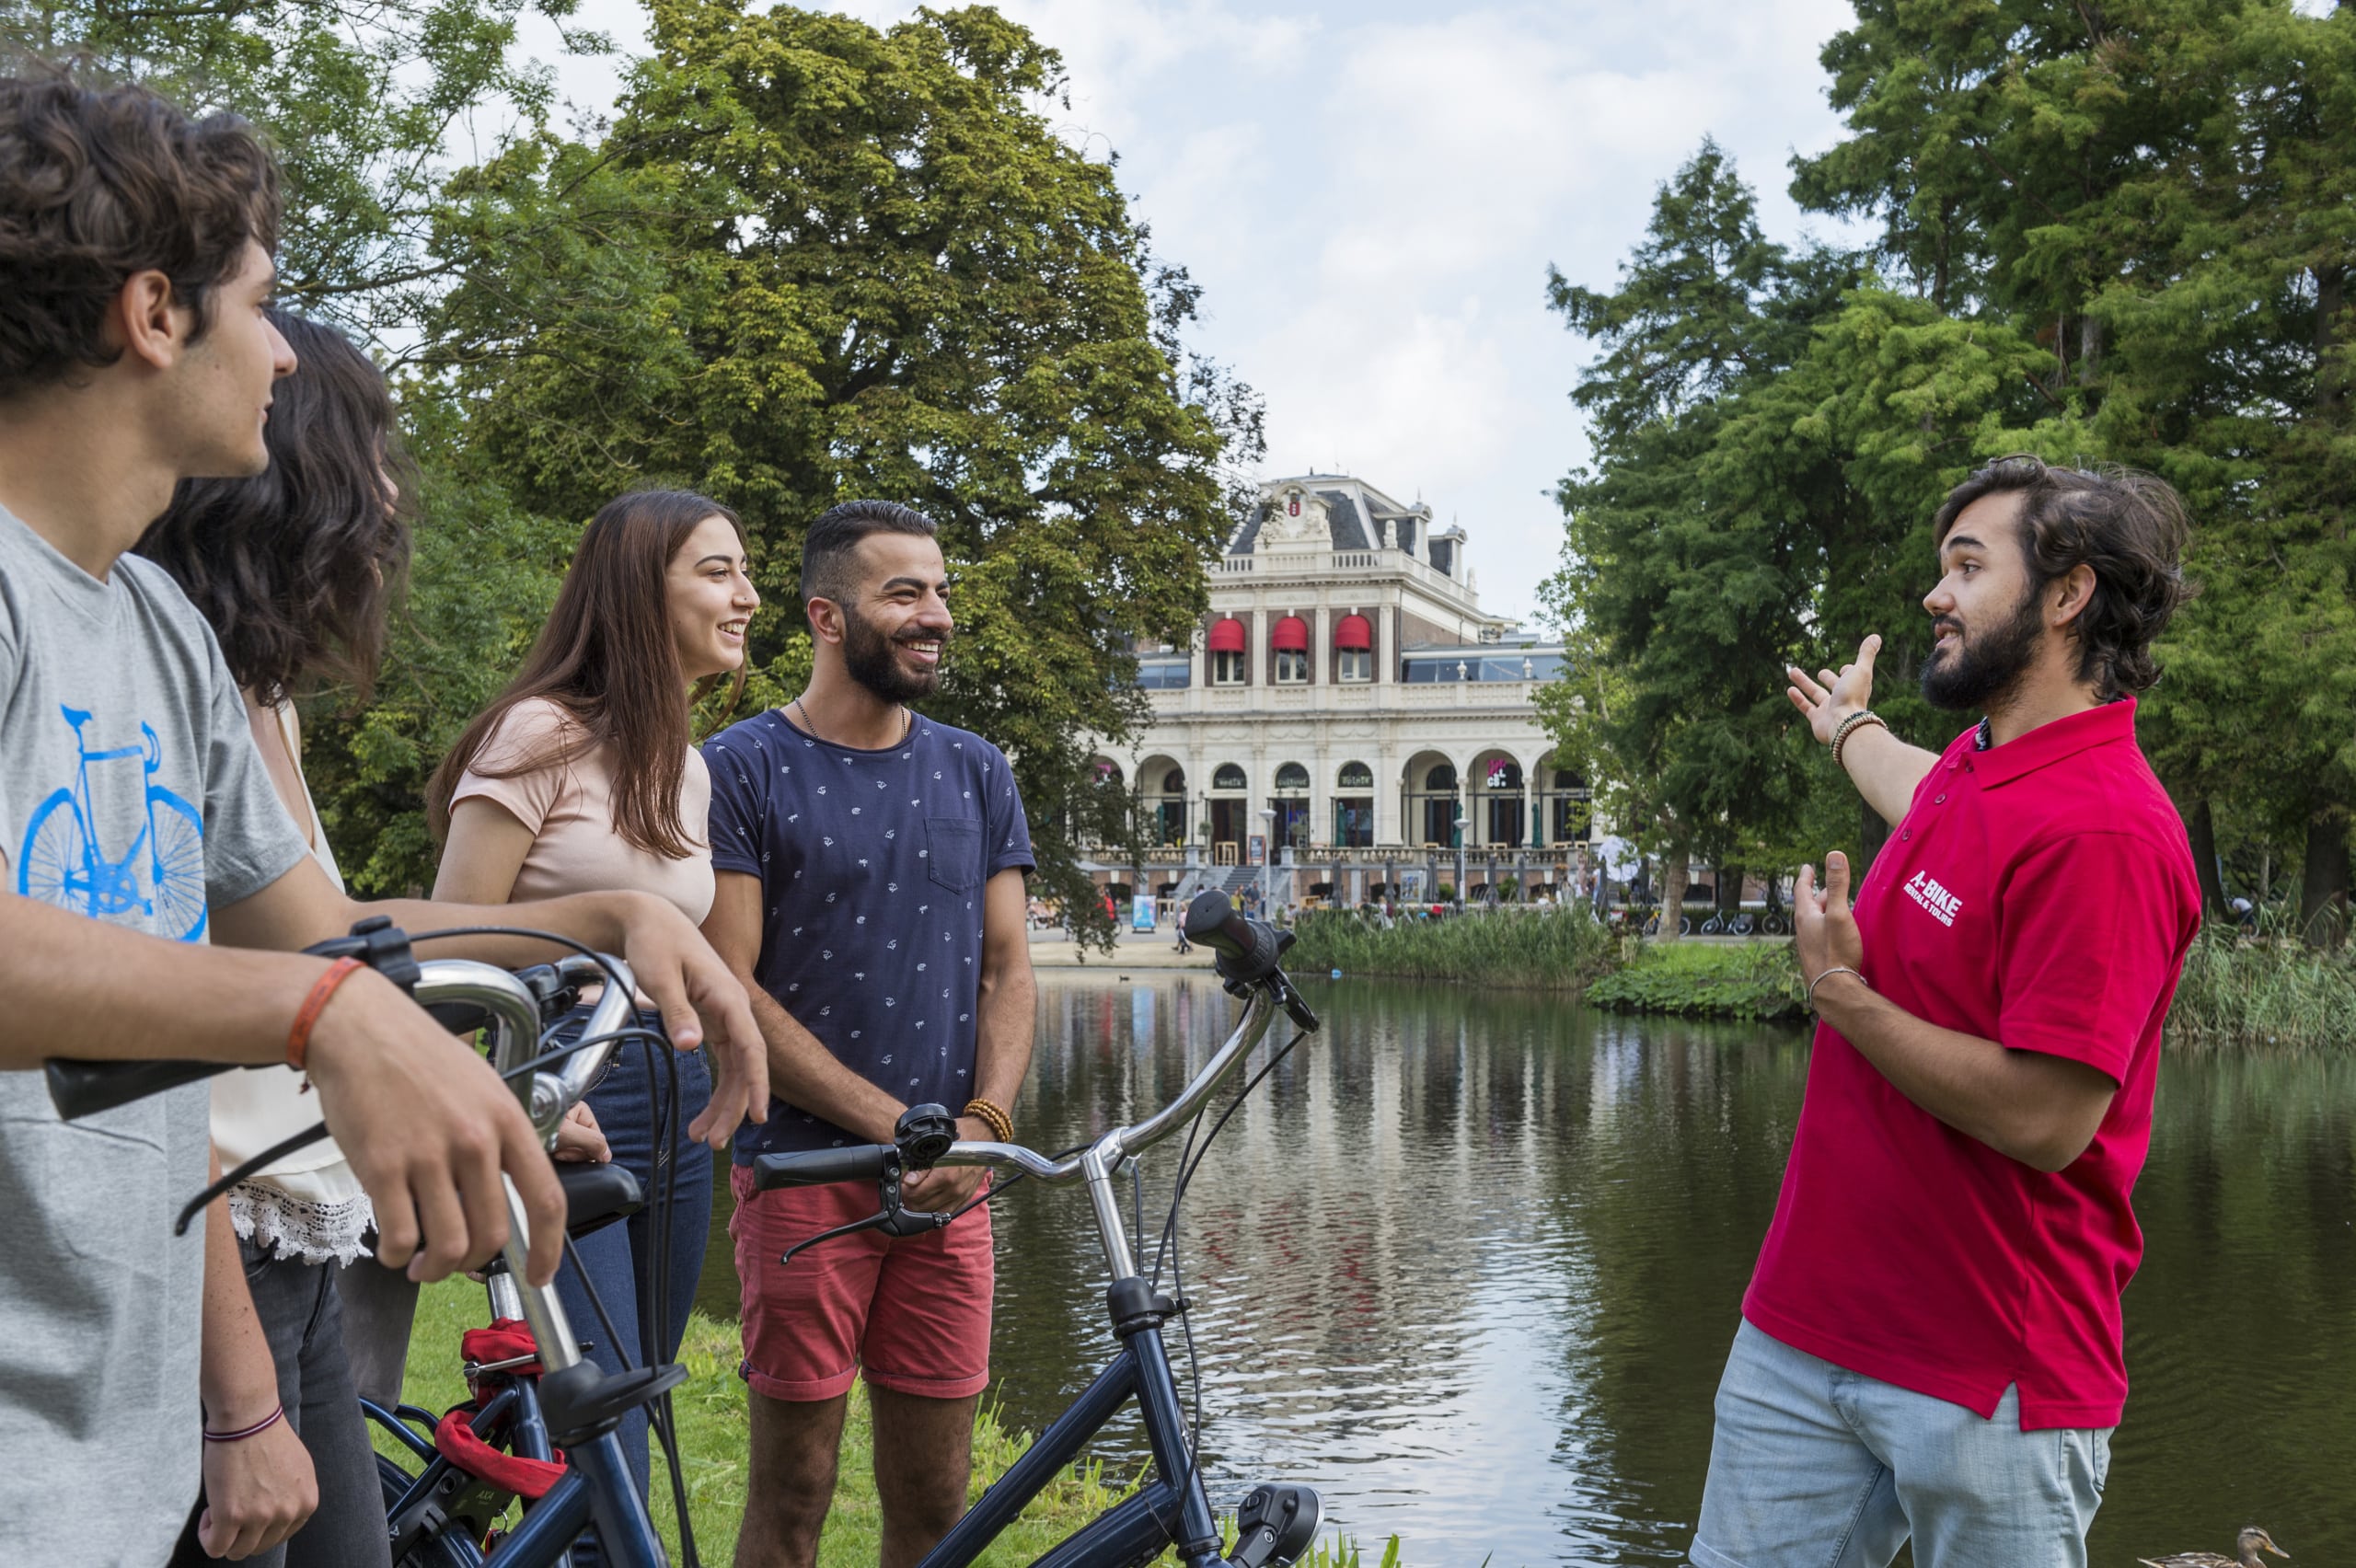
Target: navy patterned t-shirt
[[871, 866]]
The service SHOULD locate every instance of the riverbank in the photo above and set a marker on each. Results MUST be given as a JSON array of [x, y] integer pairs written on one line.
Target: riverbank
[[714, 1430], [2236, 993]]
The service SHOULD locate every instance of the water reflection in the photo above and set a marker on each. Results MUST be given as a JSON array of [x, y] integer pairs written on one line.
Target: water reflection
[[1469, 1262]]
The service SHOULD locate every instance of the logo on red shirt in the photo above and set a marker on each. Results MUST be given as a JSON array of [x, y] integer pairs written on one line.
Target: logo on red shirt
[[1944, 905]]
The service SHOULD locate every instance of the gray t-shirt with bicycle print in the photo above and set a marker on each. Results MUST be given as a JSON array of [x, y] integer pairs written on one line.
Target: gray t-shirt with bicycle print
[[130, 792]]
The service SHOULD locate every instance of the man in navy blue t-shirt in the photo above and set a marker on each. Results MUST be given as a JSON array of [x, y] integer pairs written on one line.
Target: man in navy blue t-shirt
[[871, 868]]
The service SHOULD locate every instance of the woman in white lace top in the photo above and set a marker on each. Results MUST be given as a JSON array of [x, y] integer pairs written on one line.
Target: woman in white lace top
[[296, 569]]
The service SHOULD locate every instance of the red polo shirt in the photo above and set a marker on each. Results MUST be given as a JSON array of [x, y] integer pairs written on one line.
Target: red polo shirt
[[2039, 893]]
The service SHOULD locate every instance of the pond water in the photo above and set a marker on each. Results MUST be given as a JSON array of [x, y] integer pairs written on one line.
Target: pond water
[[1469, 1262]]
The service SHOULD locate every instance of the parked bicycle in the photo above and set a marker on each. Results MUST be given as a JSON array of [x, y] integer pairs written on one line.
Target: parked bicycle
[[542, 1426]]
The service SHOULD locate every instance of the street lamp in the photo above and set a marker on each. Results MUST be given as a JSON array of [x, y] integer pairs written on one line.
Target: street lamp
[[1267, 855], [1462, 820]]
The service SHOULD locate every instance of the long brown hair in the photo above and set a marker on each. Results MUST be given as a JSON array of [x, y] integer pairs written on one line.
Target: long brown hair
[[607, 660]]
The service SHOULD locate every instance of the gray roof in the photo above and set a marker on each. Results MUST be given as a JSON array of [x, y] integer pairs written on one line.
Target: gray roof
[[1350, 532]]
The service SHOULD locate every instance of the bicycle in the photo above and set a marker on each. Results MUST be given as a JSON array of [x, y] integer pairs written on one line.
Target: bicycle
[[61, 863], [572, 1405], [542, 1397], [1277, 1521]]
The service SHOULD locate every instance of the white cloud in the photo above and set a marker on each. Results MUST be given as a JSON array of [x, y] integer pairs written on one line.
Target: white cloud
[[1370, 195]]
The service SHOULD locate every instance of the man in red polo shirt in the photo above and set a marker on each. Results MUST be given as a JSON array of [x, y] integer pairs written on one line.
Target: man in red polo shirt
[[1931, 1342]]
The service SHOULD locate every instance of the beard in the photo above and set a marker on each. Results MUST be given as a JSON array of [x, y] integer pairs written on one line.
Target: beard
[[1980, 672], [870, 660]]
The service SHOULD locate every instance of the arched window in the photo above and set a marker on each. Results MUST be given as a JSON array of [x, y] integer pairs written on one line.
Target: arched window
[[1353, 649], [1442, 776], [1292, 776], [1227, 650], [1567, 779], [1227, 776], [1355, 776], [1503, 772], [1175, 781], [1289, 640], [1108, 772]]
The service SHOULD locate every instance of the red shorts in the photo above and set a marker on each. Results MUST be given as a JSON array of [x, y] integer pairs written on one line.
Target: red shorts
[[911, 1313]]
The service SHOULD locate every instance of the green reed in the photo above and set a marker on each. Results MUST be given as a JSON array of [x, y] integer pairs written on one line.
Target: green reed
[[1539, 949], [2264, 993]]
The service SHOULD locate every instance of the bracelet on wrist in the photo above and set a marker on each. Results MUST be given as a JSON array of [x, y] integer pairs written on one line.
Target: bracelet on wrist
[[1822, 976], [1000, 1125], [299, 1038], [255, 1430], [1864, 717]]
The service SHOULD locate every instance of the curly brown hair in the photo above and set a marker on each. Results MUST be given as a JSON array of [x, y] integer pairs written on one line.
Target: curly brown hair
[[297, 567], [2129, 528], [97, 185]]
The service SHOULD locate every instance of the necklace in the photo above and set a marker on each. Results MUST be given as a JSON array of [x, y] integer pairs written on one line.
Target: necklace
[[907, 722]]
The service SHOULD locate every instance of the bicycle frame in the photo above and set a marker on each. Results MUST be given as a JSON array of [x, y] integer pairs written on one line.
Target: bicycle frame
[[1174, 1510], [596, 1486]]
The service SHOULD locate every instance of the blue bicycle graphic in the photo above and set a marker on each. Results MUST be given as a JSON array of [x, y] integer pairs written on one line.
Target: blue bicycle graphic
[[161, 876]]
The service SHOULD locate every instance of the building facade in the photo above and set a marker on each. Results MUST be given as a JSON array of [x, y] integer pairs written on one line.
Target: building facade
[[1348, 718]]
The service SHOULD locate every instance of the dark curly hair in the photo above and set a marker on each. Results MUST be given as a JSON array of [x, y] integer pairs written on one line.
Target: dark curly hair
[[2129, 528], [97, 185], [297, 567]]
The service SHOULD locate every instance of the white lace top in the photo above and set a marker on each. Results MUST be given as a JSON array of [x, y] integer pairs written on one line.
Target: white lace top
[[308, 1206]]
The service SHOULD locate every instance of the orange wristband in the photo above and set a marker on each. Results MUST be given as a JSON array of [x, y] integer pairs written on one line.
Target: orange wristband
[[298, 1039]]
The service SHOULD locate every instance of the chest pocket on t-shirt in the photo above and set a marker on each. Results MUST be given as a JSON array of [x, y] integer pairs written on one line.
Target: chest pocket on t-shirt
[[954, 851]]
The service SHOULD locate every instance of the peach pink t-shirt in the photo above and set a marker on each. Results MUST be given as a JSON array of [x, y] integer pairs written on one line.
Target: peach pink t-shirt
[[569, 807]]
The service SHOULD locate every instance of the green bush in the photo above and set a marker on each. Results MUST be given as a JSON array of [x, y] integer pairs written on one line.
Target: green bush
[[1756, 980], [1562, 948]]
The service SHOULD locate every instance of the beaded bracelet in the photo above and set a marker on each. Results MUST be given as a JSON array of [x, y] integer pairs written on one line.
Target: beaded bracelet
[[1000, 1125], [1860, 720], [255, 1430]]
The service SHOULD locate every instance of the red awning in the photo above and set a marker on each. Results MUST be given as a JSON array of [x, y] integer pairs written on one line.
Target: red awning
[[1290, 636], [1352, 633], [1227, 636]]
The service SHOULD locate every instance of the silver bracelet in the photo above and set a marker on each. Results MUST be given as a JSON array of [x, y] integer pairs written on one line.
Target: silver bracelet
[[1826, 974]]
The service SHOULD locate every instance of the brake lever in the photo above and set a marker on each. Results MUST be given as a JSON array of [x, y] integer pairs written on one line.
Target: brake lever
[[893, 1219]]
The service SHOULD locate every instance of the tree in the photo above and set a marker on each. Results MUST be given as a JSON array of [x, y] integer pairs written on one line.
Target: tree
[[815, 259]]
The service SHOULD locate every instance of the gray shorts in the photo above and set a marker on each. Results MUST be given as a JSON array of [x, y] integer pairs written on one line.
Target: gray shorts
[[1812, 1465]]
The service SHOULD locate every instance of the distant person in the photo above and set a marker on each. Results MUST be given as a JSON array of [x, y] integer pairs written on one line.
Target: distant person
[[871, 868], [1931, 1343], [582, 774]]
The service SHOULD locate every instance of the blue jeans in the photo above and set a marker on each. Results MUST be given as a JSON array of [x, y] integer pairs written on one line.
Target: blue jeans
[[619, 1260], [1813, 1466]]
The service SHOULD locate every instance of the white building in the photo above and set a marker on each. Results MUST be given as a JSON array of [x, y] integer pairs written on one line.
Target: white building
[[1345, 703]]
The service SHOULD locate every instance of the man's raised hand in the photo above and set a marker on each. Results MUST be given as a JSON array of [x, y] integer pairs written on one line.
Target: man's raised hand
[[1824, 929], [1830, 697]]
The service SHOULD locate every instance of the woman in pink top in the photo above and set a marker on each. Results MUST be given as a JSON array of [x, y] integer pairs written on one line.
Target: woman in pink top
[[583, 774]]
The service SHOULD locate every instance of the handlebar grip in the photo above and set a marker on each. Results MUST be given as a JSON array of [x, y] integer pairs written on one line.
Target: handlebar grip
[[83, 1089], [817, 1167], [1247, 948]]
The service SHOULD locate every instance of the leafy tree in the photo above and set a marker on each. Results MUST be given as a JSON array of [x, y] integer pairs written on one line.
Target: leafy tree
[[815, 260]]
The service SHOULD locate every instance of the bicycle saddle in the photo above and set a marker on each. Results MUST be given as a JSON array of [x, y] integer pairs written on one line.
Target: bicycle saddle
[[75, 716], [596, 1195]]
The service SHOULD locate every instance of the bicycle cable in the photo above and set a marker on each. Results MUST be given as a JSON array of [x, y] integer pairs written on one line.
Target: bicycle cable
[[1190, 1160]]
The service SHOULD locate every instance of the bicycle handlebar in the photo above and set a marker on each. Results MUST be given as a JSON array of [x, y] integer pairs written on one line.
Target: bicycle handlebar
[[1248, 949]]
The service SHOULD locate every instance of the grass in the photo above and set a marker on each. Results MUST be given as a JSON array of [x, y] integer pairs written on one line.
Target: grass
[[1554, 950], [1754, 980], [713, 1433], [2273, 993]]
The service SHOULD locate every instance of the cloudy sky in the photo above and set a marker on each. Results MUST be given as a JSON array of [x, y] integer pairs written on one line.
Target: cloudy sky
[[1370, 194]]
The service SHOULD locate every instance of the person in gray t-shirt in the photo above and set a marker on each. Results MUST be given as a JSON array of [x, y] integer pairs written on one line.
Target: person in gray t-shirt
[[136, 826]]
